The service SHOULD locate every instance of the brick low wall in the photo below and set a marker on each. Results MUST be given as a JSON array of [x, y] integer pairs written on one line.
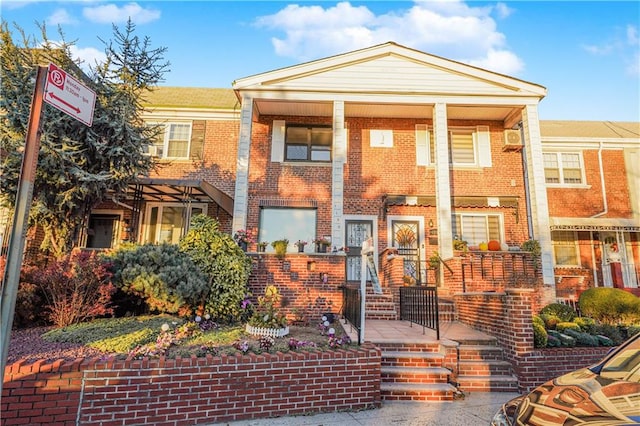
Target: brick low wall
[[190, 391], [508, 317]]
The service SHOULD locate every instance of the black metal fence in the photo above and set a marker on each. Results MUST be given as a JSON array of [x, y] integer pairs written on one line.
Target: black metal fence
[[352, 309], [419, 305]]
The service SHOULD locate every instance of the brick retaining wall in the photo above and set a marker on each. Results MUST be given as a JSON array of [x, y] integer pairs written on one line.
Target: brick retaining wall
[[190, 391]]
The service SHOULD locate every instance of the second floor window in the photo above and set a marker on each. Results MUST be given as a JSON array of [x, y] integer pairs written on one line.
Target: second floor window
[[173, 142], [564, 168], [308, 143]]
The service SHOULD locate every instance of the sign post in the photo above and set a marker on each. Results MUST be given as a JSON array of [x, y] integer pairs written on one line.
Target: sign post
[[55, 87]]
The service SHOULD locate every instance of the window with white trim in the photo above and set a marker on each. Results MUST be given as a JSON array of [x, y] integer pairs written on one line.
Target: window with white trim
[[168, 222], [477, 228], [308, 143], [468, 146], [173, 142], [564, 168], [565, 248], [277, 223]]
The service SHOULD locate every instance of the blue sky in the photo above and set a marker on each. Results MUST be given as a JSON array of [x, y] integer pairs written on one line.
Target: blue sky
[[585, 53]]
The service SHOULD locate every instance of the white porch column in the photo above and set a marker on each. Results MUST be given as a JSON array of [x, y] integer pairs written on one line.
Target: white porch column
[[538, 192], [337, 175], [241, 198], [443, 187]]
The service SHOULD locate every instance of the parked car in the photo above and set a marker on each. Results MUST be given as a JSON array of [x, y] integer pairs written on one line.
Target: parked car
[[607, 393]]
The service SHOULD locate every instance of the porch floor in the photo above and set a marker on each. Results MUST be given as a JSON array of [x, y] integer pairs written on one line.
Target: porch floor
[[383, 331]]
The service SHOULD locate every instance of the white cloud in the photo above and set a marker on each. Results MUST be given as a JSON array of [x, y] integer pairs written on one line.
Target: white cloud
[[624, 45], [451, 29], [90, 56], [503, 10], [632, 35], [60, 17], [113, 14]]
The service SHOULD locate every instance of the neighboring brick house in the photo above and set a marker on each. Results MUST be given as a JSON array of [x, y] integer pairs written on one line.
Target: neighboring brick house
[[395, 144], [591, 172]]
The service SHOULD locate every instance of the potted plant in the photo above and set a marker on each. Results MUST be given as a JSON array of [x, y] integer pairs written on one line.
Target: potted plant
[[300, 244], [266, 319], [321, 244], [262, 245], [243, 237], [280, 246]]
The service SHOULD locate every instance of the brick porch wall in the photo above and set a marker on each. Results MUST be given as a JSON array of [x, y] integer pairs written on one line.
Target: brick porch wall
[[508, 317], [191, 391]]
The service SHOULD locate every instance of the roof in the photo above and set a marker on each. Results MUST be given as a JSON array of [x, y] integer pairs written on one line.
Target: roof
[[191, 97], [590, 129]]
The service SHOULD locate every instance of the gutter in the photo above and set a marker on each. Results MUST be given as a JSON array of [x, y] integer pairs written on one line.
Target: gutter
[[604, 189]]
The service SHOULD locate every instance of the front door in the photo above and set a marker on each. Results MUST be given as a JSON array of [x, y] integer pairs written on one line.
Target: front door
[[405, 236], [357, 231], [103, 230], [618, 269]]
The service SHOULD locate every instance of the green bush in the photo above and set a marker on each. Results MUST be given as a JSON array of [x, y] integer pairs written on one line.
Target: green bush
[[564, 312], [604, 340], [225, 264], [538, 320], [565, 340], [550, 321], [610, 306], [164, 277], [585, 323], [563, 326], [633, 330], [539, 334], [611, 331], [553, 341], [582, 338]]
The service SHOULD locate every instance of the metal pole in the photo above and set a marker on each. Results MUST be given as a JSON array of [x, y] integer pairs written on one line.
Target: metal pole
[[24, 196]]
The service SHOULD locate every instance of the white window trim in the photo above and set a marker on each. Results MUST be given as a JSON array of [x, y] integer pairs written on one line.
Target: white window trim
[[118, 228], [558, 155], [481, 146], [167, 131], [554, 244], [485, 215], [144, 225]]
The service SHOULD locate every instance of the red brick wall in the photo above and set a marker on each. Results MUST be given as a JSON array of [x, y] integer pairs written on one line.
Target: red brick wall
[[588, 201], [298, 278], [192, 390], [508, 317]]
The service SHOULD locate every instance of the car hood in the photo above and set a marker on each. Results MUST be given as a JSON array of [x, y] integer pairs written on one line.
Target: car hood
[[581, 397]]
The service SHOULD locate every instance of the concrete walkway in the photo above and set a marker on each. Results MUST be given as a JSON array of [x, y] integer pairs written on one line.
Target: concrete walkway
[[475, 409]]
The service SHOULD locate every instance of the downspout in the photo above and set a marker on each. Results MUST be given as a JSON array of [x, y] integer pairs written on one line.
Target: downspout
[[604, 189], [527, 191]]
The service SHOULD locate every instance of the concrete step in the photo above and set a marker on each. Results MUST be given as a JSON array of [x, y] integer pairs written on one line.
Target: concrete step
[[412, 359], [480, 353], [484, 368], [493, 383], [417, 392]]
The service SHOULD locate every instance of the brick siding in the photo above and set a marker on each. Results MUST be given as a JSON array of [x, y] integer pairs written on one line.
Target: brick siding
[[191, 391]]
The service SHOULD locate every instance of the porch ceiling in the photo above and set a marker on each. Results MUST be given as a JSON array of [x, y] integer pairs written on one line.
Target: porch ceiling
[[379, 110], [181, 190]]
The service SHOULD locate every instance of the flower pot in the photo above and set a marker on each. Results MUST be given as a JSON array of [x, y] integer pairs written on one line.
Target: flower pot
[[321, 248], [300, 249], [243, 245], [260, 248]]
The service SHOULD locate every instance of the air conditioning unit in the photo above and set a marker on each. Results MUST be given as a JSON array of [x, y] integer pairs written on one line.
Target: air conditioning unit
[[152, 151], [512, 140]]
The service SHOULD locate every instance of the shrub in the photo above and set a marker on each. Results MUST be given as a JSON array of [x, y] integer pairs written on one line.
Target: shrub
[[564, 312], [539, 335], [610, 306], [604, 340], [564, 339], [165, 278], [538, 320], [563, 326], [553, 341], [633, 330], [610, 331], [75, 288], [582, 338], [550, 321], [585, 323], [267, 314], [225, 264]]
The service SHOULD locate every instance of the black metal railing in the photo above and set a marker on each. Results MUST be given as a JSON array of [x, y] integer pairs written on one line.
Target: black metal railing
[[352, 309], [419, 305]]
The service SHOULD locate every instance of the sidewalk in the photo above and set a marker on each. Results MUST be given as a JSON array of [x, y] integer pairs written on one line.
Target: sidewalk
[[475, 409]]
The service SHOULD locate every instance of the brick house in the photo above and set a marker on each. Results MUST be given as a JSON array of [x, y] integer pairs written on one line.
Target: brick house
[[412, 150]]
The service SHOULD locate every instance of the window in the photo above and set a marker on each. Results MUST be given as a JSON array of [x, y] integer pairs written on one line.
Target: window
[[308, 143], [168, 222], [103, 231], [563, 168], [171, 141], [291, 223], [565, 250], [461, 147], [468, 146], [477, 228]]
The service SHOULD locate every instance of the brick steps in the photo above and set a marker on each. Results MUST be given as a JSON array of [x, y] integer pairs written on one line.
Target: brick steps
[[482, 368], [417, 392]]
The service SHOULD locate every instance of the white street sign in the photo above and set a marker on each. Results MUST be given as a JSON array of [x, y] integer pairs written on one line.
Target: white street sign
[[69, 95]]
